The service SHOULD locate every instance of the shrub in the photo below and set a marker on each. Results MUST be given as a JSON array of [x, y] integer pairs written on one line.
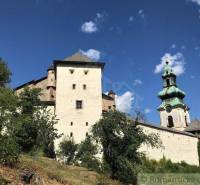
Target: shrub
[[9, 151], [67, 149], [86, 155], [167, 166]]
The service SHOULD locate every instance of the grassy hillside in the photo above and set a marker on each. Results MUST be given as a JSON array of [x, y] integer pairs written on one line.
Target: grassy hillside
[[50, 172]]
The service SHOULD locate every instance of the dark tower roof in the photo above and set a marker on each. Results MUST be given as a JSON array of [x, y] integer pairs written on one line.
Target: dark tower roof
[[111, 92], [77, 57]]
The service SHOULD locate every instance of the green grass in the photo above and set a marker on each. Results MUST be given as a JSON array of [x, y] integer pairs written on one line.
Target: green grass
[[70, 175]]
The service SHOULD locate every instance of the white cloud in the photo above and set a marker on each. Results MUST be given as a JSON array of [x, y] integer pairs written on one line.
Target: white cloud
[[176, 61], [183, 47], [131, 18], [124, 102], [173, 46], [93, 25], [196, 1], [137, 82], [141, 13], [147, 111], [92, 54], [89, 27]]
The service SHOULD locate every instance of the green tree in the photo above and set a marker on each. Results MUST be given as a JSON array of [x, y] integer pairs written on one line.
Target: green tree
[[9, 149], [67, 150], [5, 73], [87, 155], [121, 138], [34, 123]]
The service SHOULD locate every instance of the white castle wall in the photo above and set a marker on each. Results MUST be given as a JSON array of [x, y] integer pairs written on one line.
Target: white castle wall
[[66, 97], [175, 146]]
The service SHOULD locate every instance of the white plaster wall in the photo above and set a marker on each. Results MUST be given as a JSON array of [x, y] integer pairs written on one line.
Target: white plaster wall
[[178, 115], [66, 100], [175, 146]]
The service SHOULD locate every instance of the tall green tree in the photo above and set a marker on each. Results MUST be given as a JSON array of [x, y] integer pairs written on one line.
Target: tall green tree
[[121, 139], [5, 73], [9, 149]]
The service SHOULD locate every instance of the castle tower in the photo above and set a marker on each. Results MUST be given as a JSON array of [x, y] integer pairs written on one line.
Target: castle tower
[[173, 111], [51, 83], [78, 95]]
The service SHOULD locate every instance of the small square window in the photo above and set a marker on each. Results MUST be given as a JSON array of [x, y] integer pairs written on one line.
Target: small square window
[[71, 71], [73, 86], [71, 123], [71, 134], [79, 104], [86, 123], [85, 72], [84, 86], [109, 107]]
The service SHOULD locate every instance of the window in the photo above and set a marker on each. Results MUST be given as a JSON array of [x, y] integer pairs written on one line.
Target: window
[[109, 107], [186, 121], [71, 123], [84, 86], [71, 134], [79, 104], [71, 71], [86, 134], [168, 82], [85, 72], [73, 86], [170, 122], [86, 123]]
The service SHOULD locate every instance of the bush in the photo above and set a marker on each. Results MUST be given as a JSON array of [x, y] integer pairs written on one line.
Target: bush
[[167, 166], [9, 151], [86, 155], [67, 149]]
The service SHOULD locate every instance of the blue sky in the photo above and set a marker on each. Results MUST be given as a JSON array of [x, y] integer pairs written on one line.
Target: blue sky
[[131, 36]]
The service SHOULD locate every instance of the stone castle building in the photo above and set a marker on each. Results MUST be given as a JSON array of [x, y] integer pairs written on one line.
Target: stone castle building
[[72, 89]]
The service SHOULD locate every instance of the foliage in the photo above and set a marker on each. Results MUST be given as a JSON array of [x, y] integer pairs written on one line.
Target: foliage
[[167, 166], [49, 150], [9, 151], [68, 150], [87, 154], [34, 124], [5, 73], [121, 138], [8, 103]]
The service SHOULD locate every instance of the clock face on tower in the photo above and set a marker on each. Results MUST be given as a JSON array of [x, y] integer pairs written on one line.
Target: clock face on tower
[[168, 108]]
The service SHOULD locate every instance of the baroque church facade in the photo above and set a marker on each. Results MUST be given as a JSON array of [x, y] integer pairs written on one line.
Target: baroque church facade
[[72, 89]]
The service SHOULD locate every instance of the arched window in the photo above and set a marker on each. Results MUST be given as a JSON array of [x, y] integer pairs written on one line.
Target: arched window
[[168, 82], [170, 122]]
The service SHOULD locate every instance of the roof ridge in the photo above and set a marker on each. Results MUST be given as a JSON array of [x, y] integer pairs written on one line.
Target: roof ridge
[[78, 57]]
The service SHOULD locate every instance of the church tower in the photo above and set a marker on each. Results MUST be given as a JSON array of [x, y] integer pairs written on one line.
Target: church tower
[[173, 111]]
